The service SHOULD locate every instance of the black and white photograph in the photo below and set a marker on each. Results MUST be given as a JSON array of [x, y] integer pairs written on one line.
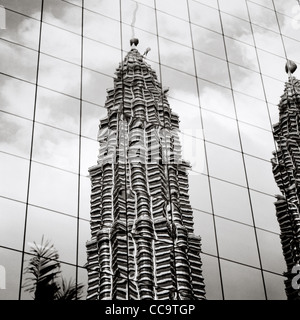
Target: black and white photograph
[[150, 150]]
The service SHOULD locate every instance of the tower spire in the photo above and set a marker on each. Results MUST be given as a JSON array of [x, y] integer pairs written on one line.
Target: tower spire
[[134, 42], [286, 170], [142, 238], [290, 67]]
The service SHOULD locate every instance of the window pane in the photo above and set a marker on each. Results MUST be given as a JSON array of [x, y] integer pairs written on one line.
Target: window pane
[[231, 201], [210, 96], [176, 8], [28, 7], [212, 69], [193, 151], [25, 295], [83, 279], [260, 176], [264, 211], [225, 164], [271, 65], [174, 29], [237, 8], [63, 15], [58, 110], [290, 26], [286, 7], [68, 272], [241, 54], [271, 251], [237, 28], [57, 228], [56, 148], [20, 104], [204, 227], [11, 261], [112, 10], [12, 215], [15, 135], [14, 182], [138, 16], [189, 116], [94, 86], [199, 192], [205, 16], [182, 86], [236, 284], [275, 286], [257, 142], [246, 81], [215, 124], [252, 110], [176, 56], [268, 40], [274, 89], [263, 17], [100, 57], [100, 28], [208, 41], [237, 242], [25, 61], [53, 189], [274, 113], [91, 114], [211, 276], [20, 29], [84, 236], [89, 155], [292, 48], [56, 74], [60, 43], [85, 198]]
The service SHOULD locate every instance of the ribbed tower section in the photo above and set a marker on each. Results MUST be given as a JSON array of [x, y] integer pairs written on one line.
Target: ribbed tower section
[[142, 242], [286, 170]]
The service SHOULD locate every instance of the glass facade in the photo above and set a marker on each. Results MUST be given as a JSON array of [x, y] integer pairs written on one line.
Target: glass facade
[[223, 61]]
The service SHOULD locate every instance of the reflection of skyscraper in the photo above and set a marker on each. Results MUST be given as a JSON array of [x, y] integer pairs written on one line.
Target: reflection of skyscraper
[[142, 245], [286, 169]]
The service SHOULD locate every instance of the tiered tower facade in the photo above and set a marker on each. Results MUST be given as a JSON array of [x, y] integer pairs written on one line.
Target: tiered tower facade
[[286, 170], [142, 238]]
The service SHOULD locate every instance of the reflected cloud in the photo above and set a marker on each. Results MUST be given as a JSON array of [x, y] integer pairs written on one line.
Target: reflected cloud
[[15, 135]]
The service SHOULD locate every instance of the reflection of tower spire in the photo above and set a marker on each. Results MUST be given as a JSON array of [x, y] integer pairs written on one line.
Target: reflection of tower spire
[[286, 170], [290, 67], [134, 42], [134, 19], [142, 237]]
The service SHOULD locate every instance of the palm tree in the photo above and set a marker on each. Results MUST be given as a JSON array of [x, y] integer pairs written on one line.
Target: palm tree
[[69, 290], [44, 271]]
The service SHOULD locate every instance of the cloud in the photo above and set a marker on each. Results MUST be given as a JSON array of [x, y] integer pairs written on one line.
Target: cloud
[[15, 135]]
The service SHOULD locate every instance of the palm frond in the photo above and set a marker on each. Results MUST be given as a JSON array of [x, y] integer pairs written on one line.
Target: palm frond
[[43, 268], [69, 290]]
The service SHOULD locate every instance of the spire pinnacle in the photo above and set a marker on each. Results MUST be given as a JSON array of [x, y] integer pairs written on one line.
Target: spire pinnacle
[[134, 42], [290, 67]]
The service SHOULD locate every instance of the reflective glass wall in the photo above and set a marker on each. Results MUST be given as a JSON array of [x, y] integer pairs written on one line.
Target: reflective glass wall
[[223, 61]]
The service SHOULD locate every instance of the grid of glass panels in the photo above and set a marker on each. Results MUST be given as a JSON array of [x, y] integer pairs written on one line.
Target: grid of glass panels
[[223, 61]]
